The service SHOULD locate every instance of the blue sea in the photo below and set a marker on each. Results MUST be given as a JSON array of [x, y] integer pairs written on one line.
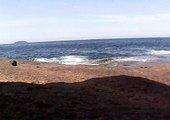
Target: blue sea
[[93, 52]]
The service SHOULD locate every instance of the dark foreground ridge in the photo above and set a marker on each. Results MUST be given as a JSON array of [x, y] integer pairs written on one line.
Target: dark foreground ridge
[[110, 98]]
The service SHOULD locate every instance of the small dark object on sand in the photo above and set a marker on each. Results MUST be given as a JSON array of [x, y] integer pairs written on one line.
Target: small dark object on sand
[[13, 63]]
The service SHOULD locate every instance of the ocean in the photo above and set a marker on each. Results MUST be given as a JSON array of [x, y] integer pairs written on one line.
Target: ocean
[[92, 52]]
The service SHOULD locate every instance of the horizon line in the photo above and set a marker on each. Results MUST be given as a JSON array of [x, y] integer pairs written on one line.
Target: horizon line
[[69, 40]]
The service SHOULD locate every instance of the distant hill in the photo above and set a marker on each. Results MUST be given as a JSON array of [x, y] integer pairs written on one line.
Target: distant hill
[[21, 42]]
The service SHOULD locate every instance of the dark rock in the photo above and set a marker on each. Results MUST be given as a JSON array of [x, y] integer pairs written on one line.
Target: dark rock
[[13, 63], [43, 104]]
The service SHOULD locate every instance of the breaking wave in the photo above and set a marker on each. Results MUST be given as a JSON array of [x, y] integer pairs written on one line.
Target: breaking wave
[[83, 60], [67, 60], [159, 52], [132, 59]]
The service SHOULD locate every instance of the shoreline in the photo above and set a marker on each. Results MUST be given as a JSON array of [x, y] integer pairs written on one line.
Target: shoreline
[[41, 72]]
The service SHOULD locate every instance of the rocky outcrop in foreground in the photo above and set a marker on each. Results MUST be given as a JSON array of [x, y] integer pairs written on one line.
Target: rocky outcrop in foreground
[[109, 98]]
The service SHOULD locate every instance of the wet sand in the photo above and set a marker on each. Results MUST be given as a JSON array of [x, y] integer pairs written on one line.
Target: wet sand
[[34, 90]]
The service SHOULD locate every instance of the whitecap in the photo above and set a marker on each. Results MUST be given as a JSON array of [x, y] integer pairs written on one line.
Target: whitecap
[[46, 60], [135, 59], [73, 59], [159, 52], [67, 60]]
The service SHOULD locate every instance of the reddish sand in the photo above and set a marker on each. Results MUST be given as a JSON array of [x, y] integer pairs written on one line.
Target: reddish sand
[[41, 73], [48, 91]]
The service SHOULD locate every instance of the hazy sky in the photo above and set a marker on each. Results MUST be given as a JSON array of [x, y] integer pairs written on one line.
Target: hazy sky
[[43, 20]]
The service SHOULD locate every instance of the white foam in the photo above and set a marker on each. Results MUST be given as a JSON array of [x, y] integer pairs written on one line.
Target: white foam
[[73, 60], [159, 52], [67, 60], [132, 59], [46, 60]]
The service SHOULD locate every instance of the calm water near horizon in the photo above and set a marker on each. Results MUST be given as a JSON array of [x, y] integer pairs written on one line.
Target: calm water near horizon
[[91, 51]]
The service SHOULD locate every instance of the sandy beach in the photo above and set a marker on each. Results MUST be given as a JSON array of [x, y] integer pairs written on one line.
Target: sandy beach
[[36, 90]]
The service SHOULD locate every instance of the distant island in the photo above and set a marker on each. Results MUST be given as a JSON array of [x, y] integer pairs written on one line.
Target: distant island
[[21, 42]]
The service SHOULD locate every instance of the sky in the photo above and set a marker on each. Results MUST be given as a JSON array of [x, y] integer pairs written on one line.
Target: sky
[[52, 20]]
